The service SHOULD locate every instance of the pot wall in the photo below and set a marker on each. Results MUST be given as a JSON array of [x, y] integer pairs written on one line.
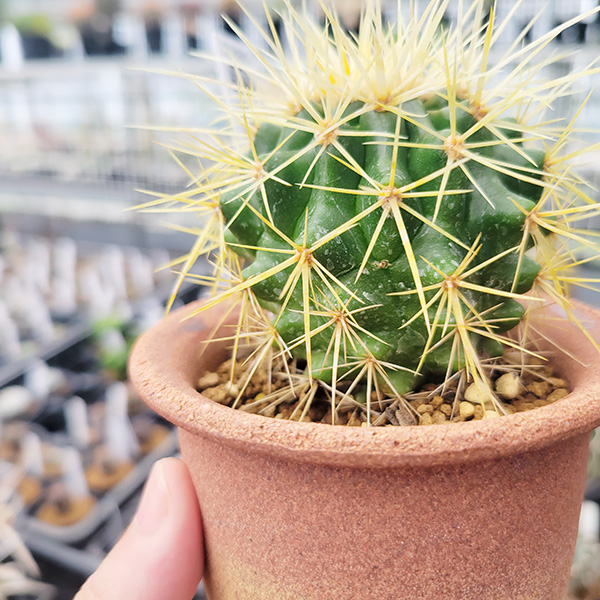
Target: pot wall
[[283, 530]]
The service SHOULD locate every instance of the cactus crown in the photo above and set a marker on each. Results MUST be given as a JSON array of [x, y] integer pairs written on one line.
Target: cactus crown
[[388, 205]]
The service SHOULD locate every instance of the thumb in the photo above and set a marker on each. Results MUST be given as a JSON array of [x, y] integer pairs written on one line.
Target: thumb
[[160, 556]]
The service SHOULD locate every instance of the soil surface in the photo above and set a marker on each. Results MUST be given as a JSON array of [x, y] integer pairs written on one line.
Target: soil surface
[[286, 394]]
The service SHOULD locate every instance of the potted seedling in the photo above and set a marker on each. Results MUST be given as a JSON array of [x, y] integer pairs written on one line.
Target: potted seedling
[[389, 393]]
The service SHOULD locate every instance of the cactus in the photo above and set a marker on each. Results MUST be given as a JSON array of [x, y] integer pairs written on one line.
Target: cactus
[[381, 246], [387, 207]]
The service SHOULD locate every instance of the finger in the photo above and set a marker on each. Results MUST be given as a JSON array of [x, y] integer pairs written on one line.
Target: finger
[[160, 556]]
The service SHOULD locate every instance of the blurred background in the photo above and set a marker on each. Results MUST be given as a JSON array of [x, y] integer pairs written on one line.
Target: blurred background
[[80, 274]]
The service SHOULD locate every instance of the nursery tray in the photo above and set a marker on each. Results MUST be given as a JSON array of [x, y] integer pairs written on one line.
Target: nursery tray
[[73, 335]]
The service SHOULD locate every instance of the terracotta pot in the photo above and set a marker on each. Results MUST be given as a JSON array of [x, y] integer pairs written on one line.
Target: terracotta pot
[[483, 510]]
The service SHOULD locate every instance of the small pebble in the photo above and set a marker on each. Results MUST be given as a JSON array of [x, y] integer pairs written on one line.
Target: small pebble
[[477, 394], [438, 417], [426, 419], [479, 412], [491, 414], [218, 394], [557, 395], [538, 388], [208, 380], [232, 389], [466, 410], [437, 401], [425, 408], [446, 409], [508, 386]]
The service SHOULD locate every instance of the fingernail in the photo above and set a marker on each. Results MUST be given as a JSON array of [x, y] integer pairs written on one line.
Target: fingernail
[[154, 505]]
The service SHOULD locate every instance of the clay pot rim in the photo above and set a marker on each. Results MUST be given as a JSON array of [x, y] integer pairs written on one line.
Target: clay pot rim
[[155, 370]]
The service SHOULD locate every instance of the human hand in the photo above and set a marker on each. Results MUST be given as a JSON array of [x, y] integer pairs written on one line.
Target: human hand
[[160, 556]]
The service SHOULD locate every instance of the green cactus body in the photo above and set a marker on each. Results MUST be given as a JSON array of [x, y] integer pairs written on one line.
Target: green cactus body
[[420, 235]]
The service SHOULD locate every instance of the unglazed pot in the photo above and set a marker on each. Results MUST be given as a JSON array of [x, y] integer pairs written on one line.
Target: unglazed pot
[[484, 510]]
